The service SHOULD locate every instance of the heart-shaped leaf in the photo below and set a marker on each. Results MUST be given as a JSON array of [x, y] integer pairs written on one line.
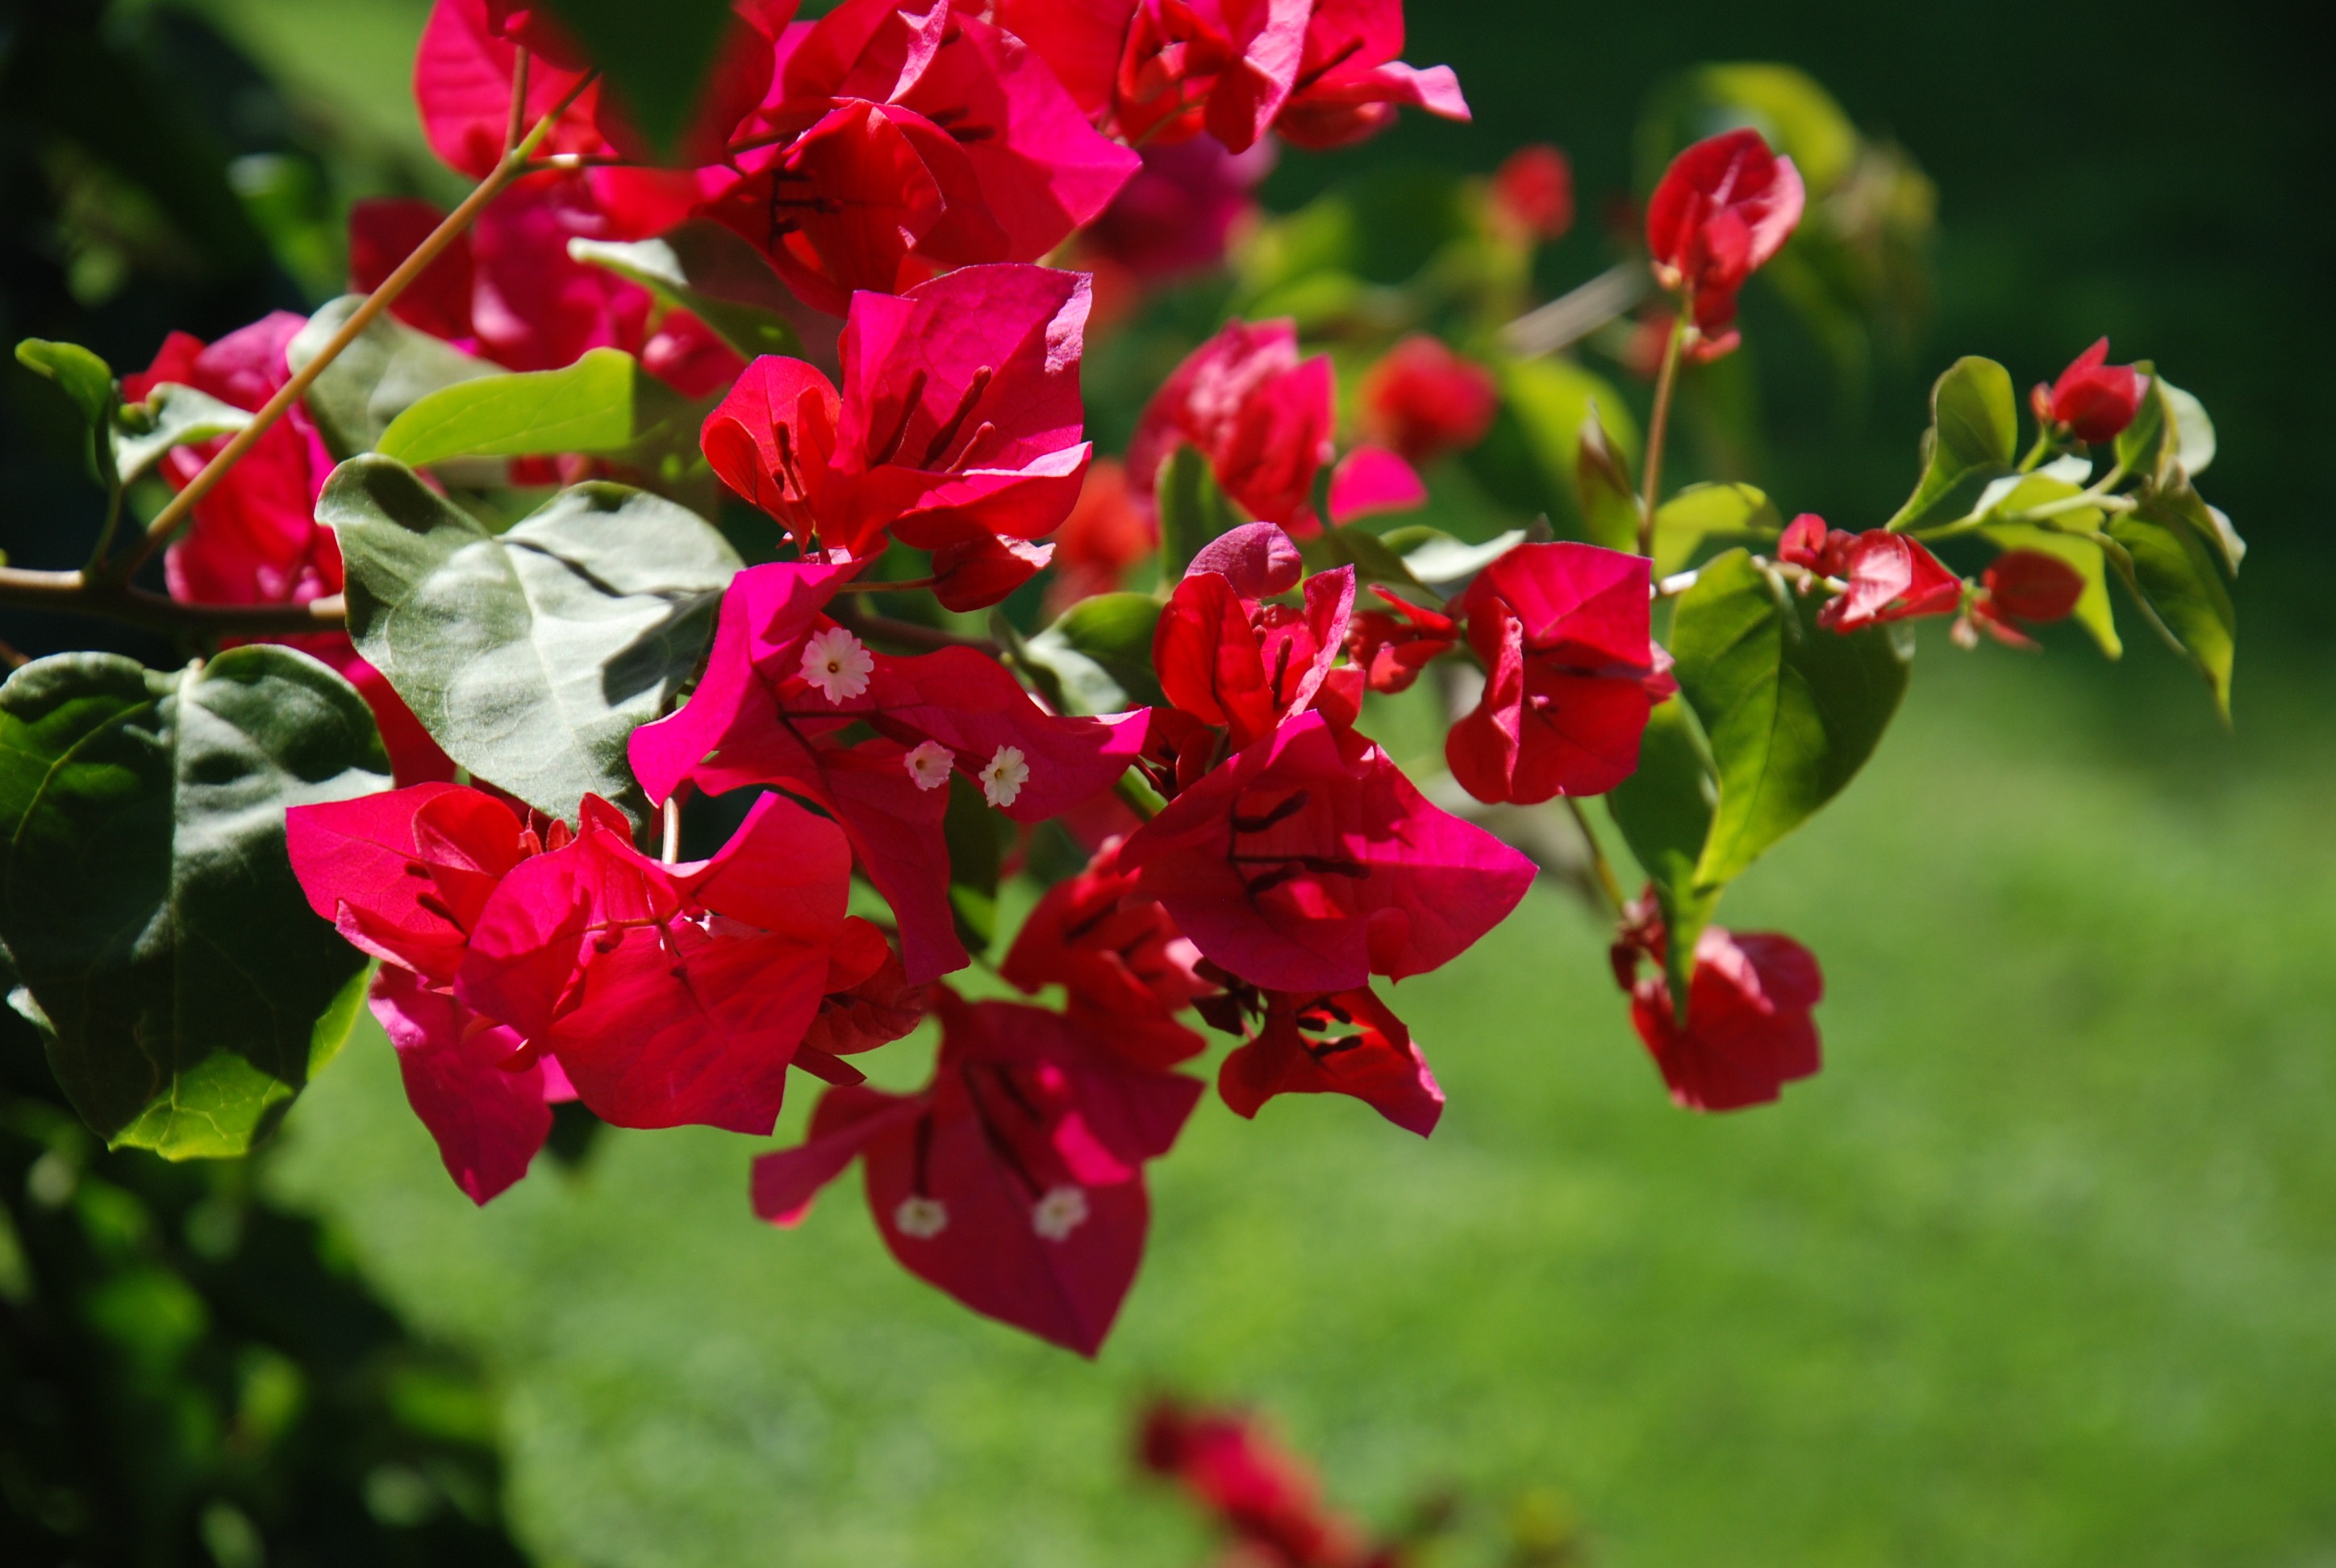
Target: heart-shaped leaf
[[533, 655], [1974, 428], [1100, 653], [2174, 575], [1792, 710], [704, 268], [187, 990], [388, 370], [1708, 512], [587, 406]]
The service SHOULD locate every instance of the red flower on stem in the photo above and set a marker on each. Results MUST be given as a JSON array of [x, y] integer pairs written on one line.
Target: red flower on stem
[[1349, 83], [785, 686], [1229, 659], [1014, 1182], [1340, 1043], [1723, 209], [1533, 193], [1261, 416], [958, 430], [2021, 586], [1391, 647], [2094, 400], [1748, 1032], [1891, 578], [1263, 1495], [1425, 401], [1565, 634]]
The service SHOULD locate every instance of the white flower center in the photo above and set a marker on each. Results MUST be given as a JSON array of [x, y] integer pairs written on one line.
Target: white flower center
[[1062, 1210], [930, 764], [1003, 778], [836, 663], [923, 1218]]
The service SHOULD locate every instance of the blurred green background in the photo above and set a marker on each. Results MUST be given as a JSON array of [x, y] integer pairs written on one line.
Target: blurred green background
[[2038, 1271]]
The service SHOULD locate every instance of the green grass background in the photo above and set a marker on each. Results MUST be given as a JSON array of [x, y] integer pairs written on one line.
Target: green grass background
[[2038, 1271]]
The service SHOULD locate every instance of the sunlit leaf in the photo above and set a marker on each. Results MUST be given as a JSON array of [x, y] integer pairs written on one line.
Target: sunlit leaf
[[1974, 427]]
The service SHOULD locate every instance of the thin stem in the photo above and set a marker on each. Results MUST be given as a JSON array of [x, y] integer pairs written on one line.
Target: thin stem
[[1658, 428], [512, 163], [672, 845], [908, 633], [104, 544], [517, 125], [1607, 882], [918, 585], [1139, 795], [80, 593], [2036, 454]]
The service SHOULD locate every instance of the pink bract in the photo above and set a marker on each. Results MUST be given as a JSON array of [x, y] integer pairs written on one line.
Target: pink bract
[[1891, 578], [1349, 83], [1347, 1043], [1262, 418], [1724, 208], [1227, 659]]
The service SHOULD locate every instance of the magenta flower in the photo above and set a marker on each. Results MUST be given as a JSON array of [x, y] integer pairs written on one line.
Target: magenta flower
[[1310, 864], [1262, 418], [1349, 83], [1572, 673], [1345, 1043], [1228, 660], [1891, 578], [1014, 1182], [782, 681], [1748, 1032], [486, 1099], [958, 427]]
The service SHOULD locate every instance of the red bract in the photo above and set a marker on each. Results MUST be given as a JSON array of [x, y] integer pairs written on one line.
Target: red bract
[[864, 1007], [1310, 863], [1178, 213], [463, 85], [1809, 543], [1533, 192], [1223, 65], [255, 539], [1346, 1043], [1015, 1183], [509, 291], [1724, 207], [2094, 400], [404, 877], [671, 995], [1349, 81], [1392, 649], [1106, 535], [959, 424], [1127, 969], [900, 139], [1564, 631], [1260, 417], [784, 683], [1266, 1496], [1228, 660], [1748, 1031], [1891, 578], [1425, 401], [2022, 586]]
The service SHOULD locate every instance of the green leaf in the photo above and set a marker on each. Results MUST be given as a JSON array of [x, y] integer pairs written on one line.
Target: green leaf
[[704, 268], [144, 891], [1434, 558], [977, 838], [1974, 426], [587, 407], [532, 655], [2194, 445], [1373, 558], [171, 415], [1609, 496], [1100, 653], [1193, 512], [659, 57], [2093, 610], [2208, 522], [80, 375], [388, 370], [1665, 812], [1701, 512], [2173, 573], [1792, 710]]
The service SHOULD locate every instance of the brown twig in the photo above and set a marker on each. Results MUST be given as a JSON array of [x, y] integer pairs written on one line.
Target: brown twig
[[78, 593]]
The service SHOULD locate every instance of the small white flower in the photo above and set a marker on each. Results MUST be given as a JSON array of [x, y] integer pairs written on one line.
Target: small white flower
[[923, 1218], [1003, 779], [1062, 1210], [930, 764], [834, 661]]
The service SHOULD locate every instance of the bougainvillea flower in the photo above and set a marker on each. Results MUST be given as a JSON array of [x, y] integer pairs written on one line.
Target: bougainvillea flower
[[1225, 66], [1808, 544], [1747, 1033], [1371, 480], [1227, 659], [1532, 193], [486, 1100], [1180, 211], [510, 291], [1425, 401], [255, 538], [1723, 209], [907, 138], [1014, 1182], [1310, 863], [2094, 400], [1260, 417], [670, 993], [462, 85], [1125, 968], [960, 419], [1891, 578], [1391, 647], [2021, 587], [869, 1002], [1104, 537], [1346, 1043], [404, 875], [1564, 631], [1349, 81], [782, 684], [1264, 1496]]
